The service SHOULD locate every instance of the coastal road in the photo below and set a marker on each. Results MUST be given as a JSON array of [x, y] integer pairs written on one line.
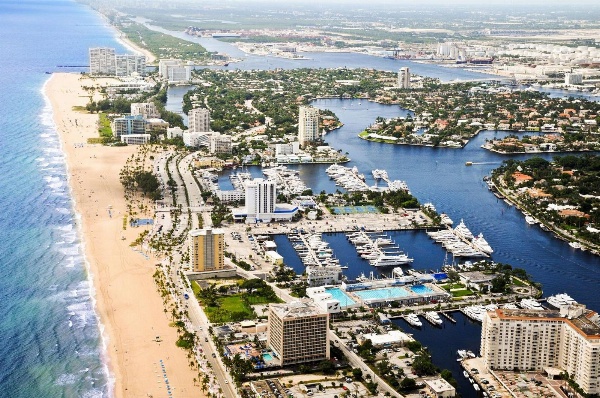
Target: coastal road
[[357, 362]]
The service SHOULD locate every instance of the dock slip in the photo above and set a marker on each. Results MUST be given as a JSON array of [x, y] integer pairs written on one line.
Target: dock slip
[[447, 316]]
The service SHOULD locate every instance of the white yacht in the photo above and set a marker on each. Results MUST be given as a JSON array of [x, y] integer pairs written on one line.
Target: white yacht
[[480, 243], [386, 260], [561, 300], [462, 231], [530, 304], [433, 318], [413, 319], [530, 220]]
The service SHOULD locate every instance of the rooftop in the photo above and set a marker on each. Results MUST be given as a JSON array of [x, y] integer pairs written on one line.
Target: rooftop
[[296, 309], [580, 320]]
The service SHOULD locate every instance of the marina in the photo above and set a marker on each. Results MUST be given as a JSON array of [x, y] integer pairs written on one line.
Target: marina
[[461, 242], [378, 249]]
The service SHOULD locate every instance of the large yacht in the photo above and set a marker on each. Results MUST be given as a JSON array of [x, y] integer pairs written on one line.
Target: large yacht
[[388, 260], [413, 319], [433, 317], [482, 244], [462, 231]]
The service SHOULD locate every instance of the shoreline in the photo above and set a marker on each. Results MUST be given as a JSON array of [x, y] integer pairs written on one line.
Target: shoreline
[[122, 289], [122, 38]]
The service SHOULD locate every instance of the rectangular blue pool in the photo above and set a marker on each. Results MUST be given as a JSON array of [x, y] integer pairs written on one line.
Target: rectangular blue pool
[[390, 293], [341, 296], [421, 289]]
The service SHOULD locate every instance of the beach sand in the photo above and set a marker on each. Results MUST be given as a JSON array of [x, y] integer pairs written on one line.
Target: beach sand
[[128, 302]]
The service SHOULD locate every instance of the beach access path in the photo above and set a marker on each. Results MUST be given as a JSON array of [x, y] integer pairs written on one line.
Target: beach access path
[[127, 300]]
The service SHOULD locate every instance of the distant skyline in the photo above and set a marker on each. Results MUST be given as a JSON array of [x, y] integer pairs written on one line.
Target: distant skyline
[[402, 3]]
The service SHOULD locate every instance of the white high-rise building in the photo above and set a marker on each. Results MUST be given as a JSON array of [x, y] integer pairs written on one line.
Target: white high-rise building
[[308, 125], [174, 70], [404, 78], [261, 196], [573, 78], [104, 62], [528, 340], [199, 120]]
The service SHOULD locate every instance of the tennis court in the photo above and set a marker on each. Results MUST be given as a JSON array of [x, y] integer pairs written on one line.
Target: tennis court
[[355, 210]]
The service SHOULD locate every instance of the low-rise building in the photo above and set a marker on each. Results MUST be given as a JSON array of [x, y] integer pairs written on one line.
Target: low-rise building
[[135, 139], [439, 388], [321, 276]]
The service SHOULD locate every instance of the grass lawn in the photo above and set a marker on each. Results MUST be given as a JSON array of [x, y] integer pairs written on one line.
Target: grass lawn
[[461, 293], [518, 282], [449, 286], [104, 126]]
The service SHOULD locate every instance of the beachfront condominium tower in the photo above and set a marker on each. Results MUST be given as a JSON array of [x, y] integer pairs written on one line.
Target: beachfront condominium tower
[[404, 78], [199, 120], [206, 249], [308, 125], [103, 61], [536, 340], [298, 332], [261, 196]]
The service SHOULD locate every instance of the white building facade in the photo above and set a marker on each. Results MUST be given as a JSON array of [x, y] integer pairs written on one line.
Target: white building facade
[[568, 339], [175, 70], [308, 125], [146, 109], [104, 62], [199, 120], [404, 78]]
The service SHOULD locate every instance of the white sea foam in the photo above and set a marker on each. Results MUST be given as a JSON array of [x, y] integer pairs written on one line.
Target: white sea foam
[[66, 379], [47, 117]]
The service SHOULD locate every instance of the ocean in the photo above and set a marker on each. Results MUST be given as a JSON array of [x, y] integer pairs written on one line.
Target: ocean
[[51, 340]]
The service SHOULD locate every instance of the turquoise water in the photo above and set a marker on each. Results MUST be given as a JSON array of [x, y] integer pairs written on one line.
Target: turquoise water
[[378, 294], [421, 289], [340, 296], [267, 357], [51, 343]]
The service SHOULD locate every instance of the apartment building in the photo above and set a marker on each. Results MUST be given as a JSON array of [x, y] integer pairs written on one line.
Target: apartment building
[[175, 70], [308, 125], [199, 120], [567, 339], [104, 62], [206, 249], [220, 144], [404, 78], [147, 109], [298, 332]]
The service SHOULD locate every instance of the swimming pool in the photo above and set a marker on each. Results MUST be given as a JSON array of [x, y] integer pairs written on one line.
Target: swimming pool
[[421, 289], [382, 294], [341, 296], [267, 357]]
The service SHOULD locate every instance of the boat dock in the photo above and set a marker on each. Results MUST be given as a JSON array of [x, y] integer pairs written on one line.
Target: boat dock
[[313, 250], [378, 249], [446, 315], [461, 242], [287, 180]]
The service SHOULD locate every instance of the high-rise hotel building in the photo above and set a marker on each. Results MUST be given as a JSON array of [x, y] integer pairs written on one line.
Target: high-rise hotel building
[[404, 78], [298, 332], [261, 196], [308, 125], [567, 339], [206, 249]]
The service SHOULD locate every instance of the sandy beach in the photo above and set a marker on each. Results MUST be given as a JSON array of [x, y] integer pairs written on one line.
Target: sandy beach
[[128, 303]]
